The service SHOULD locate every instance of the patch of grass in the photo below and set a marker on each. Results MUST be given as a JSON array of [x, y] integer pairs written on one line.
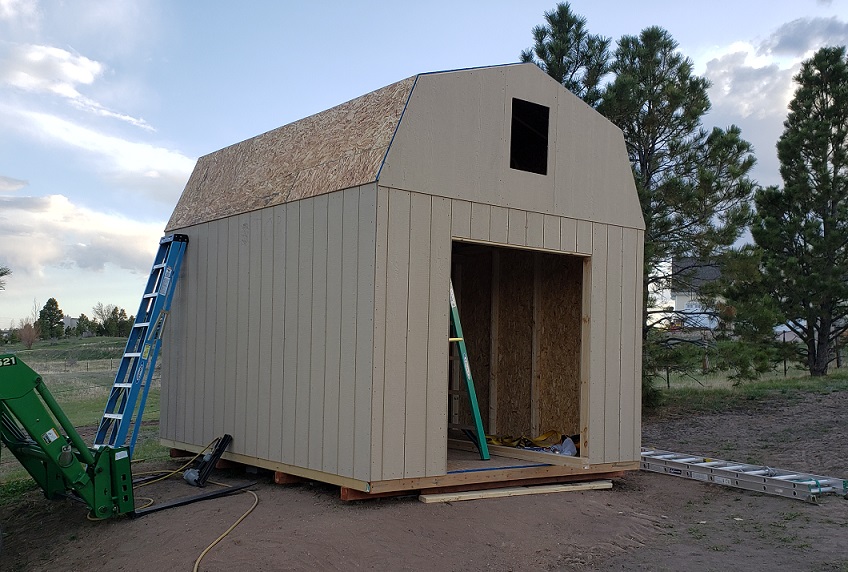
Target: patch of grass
[[11, 490], [716, 399]]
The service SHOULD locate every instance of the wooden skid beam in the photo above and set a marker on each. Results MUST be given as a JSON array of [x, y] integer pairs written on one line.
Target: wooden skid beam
[[513, 492]]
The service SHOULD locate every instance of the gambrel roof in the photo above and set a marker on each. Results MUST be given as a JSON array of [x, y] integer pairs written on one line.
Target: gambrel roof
[[441, 133]]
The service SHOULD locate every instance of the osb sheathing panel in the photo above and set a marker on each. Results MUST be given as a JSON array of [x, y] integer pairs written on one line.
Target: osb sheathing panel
[[336, 149], [473, 273], [559, 333], [514, 342]]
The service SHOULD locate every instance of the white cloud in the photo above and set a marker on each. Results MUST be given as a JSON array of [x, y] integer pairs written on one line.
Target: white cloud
[[158, 171], [8, 184], [749, 85], [799, 38], [21, 11], [42, 232], [47, 69]]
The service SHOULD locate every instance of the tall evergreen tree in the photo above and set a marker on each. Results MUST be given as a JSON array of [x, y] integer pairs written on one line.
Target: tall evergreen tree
[[693, 184], [50, 320], [802, 229], [567, 52]]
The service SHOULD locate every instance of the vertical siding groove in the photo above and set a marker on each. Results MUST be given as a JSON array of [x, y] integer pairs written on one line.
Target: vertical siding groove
[[366, 239], [320, 237], [332, 367], [379, 359], [278, 320], [291, 332]]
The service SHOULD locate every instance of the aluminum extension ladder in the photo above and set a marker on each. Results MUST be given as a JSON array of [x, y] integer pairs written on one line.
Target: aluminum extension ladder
[[476, 434], [757, 478], [125, 406]]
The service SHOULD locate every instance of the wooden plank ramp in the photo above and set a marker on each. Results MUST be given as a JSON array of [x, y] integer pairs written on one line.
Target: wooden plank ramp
[[514, 492]]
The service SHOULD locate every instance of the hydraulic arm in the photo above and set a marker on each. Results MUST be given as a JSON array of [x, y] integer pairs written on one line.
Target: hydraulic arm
[[39, 434]]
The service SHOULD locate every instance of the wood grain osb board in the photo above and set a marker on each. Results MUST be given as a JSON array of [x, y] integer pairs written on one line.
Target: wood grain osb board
[[514, 343], [559, 300], [339, 148], [471, 273]]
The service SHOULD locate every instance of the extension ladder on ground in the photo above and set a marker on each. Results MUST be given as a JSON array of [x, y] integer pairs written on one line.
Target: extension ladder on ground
[[475, 433], [122, 416], [758, 478]]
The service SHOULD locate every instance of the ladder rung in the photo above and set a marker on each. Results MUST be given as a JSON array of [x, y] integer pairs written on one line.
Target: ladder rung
[[113, 416], [132, 354], [454, 339], [123, 385], [141, 324], [158, 266], [789, 477], [151, 295]]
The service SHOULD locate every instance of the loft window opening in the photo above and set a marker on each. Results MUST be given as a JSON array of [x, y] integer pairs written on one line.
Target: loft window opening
[[528, 150]]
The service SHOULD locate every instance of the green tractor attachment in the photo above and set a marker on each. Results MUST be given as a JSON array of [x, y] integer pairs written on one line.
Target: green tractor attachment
[[39, 434]]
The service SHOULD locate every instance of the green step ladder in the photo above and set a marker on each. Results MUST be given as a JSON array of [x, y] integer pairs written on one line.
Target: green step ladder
[[477, 435]]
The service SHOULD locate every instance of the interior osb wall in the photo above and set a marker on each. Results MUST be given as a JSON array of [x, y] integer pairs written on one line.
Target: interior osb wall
[[559, 295], [472, 277], [531, 304], [514, 343]]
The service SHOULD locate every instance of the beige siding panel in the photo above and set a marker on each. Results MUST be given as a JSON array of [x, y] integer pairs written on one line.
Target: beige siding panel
[[278, 321], [461, 219], [189, 388], [628, 345], [319, 331], [364, 331], [585, 356], [454, 141], [584, 237], [210, 334], [637, 389], [613, 349], [291, 332], [232, 378], [568, 234], [202, 393], [266, 312], [535, 230], [597, 351], [397, 298], [499, 225], [437, 353], [537, 191], [332, 357], [219, 315], [254, 295], [551, 238], [415, 430], [480, 217], [426, 154], [378, 378], [517, 232], [347, 381], [241, 440], [305, 289]]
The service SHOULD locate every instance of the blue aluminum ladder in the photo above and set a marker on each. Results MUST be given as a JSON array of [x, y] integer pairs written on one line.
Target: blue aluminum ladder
[[125, 406], [475, 434]]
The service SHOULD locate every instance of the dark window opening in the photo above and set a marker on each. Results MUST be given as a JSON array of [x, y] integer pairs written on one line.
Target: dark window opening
[[528, 149]]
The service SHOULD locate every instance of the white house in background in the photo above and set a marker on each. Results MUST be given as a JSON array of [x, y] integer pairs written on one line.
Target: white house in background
[[685, 290]]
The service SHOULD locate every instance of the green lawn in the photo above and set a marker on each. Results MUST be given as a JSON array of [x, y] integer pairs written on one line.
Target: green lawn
[[78, 375]]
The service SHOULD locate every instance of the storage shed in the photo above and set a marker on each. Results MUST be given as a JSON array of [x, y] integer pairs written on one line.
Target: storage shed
[[310, 320]]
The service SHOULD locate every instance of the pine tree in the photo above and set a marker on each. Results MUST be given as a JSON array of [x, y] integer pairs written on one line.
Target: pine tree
[[50, 320], [802, 228], [567, 52]]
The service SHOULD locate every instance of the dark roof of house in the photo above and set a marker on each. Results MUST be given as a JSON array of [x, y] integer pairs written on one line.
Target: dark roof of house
[[690, 274]]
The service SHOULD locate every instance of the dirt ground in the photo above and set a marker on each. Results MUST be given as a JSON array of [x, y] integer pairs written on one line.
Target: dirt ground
[[646, 522]]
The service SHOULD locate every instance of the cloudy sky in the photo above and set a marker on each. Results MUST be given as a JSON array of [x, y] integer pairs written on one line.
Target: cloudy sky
[[105, 106]]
